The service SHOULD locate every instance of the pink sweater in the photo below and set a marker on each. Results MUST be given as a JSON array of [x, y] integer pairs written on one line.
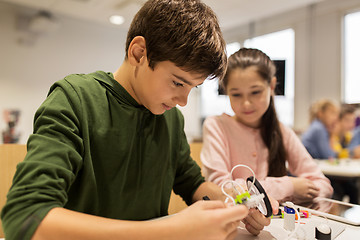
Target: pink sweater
[[228, 143]]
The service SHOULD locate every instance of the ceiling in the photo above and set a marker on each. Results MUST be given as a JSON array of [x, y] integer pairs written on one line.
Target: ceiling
[[231, 13]]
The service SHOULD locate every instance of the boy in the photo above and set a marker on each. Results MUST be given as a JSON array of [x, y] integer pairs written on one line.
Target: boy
[[109, 148]]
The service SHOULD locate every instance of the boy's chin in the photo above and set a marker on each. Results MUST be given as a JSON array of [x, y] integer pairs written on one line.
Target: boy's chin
[[157, 111]]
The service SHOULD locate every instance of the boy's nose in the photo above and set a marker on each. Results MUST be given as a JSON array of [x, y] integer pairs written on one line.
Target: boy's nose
[[182, 99]]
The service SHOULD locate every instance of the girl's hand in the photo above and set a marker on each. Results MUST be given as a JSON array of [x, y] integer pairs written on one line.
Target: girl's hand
[[255, 221], [304, 189], [274, 205]]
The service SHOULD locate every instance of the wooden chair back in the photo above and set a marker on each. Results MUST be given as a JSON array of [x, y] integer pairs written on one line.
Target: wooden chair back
[[10, 156], [176, 203]]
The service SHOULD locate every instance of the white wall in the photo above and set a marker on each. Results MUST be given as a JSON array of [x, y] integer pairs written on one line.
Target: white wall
[[28, 71], [318, 49]]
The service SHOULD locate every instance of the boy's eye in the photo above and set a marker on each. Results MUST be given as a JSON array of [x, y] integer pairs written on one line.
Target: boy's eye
[[178, 84], [236, 95], [256, 92]]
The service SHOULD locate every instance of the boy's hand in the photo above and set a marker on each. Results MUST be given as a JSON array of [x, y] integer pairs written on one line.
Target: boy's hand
[[254, 222], [210, 220]]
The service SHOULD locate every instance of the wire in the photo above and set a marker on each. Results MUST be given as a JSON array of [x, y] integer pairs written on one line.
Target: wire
[[245, 166], [233, 182], [226, 194]]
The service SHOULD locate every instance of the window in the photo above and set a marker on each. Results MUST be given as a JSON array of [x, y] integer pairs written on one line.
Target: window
[[280, 46], [211, 102], [351, 58]]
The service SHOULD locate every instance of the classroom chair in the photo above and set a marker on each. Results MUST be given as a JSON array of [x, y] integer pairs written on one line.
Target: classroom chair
[[176, 202], [10, 156]]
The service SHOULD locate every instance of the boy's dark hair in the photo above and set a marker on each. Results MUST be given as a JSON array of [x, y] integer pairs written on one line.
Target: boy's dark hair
[[185, 32], [346, 109], [270, 126]]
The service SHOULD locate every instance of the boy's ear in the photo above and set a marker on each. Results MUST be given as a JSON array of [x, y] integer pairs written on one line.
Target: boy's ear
[[137, 51]]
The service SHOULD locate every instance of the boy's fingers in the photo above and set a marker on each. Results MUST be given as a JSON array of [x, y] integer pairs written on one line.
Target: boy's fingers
[[232, 226], [234, 213], [232, 234], [213, 204]]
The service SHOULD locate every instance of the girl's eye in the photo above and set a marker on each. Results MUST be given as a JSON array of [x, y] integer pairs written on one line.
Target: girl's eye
[[236, 95], [256, 92], [178, 84]]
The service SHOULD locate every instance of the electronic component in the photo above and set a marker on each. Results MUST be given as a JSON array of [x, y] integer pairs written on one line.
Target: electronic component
[[254, 197], [289, 218], [323, 232], [255, 189]]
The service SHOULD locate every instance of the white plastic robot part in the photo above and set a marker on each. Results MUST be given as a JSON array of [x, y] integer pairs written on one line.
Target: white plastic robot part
[[254, 201], [289, 221]]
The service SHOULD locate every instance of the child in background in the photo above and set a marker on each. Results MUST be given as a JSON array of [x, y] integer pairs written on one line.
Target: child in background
[[354, 145], [108, 148], [255, 137], [340, 142], [342, 134], [324, 115]]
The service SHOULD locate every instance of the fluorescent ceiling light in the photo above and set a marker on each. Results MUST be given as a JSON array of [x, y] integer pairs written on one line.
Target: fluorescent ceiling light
[[117, 19]]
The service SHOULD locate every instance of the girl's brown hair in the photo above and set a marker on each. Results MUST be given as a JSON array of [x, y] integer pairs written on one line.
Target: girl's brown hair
[[270, 126], [185, 32]]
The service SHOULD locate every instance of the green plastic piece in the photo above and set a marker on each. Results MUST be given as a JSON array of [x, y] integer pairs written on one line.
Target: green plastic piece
[[242, 197]]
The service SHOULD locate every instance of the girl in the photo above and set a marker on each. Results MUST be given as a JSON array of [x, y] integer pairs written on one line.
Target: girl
[[324, 115], [255, 137]]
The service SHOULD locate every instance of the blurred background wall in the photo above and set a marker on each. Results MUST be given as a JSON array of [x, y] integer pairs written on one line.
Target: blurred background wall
[[30, 63]]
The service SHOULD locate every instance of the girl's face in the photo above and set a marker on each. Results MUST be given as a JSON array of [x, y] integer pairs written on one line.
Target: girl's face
[[249, 95]]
